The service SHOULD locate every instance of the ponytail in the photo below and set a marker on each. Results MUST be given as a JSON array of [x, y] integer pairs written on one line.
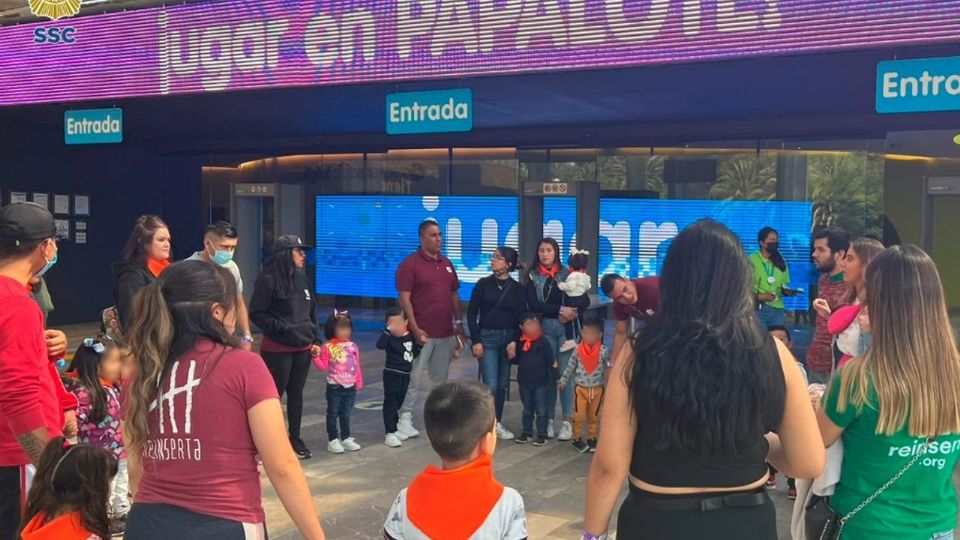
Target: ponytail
[[151, 338]]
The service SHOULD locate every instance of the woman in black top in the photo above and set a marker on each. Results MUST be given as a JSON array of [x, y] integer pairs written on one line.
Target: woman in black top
[[545, 298], [145, 256], [494, 320], [690, 405], [282, 306]]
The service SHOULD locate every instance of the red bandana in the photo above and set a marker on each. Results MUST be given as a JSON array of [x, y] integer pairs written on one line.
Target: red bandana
[[435, 502], [157, 266], [589, 356], [549, 272], [529, 340]]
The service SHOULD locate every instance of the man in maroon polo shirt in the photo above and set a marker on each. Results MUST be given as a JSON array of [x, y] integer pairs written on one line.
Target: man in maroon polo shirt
[[427, 284], [632, 299]]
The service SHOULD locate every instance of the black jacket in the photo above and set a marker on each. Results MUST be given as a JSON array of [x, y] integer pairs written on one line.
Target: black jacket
[[289, 320], [131, 278], [494, 309], [537, 367], [400, 351]]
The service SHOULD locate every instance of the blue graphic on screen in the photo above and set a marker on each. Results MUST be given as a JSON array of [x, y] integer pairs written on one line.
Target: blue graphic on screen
[[362, 239]]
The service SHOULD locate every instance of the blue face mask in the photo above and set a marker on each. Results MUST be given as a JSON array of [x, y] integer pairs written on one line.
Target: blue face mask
[[222, 257], [48, 266]]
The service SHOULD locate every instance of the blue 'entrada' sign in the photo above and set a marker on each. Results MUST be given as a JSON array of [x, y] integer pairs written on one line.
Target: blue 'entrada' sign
[[439, 111], [919, 85], [93, 126]]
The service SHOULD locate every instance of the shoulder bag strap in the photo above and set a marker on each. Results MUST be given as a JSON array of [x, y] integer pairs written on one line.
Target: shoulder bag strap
[[890, 482]]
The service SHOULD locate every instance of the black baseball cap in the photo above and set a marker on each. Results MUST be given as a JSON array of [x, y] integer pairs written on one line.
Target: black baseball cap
[[289, 241], [26, 222]]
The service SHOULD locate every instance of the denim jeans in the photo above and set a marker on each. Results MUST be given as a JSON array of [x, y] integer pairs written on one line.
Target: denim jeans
[[339, 405], [555, 333], [534, 400], [494, 366], [771, 316], [943, 536]]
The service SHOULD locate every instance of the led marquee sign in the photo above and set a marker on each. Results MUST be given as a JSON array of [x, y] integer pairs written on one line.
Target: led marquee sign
[[244, 44]]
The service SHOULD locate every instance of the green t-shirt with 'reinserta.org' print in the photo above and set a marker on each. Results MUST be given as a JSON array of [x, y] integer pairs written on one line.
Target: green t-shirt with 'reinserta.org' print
[[920, 504]]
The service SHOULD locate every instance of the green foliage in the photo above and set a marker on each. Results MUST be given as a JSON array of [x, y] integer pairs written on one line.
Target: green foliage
[[847, 191]]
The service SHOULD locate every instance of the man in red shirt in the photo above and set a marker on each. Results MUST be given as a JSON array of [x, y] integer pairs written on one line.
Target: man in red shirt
[[830, 246], [632, 299], [427, 284], [32, 398]]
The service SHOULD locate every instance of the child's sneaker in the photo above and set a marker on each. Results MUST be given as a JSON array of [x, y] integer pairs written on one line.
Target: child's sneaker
[[581, 446], [540, 441], [350, 445], [568, 345], [524, 438], [392, 440], [334, 447], [592, 443], [550, 432]]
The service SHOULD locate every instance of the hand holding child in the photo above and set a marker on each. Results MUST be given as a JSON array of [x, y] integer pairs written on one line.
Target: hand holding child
[[478, 350], [315, 351]]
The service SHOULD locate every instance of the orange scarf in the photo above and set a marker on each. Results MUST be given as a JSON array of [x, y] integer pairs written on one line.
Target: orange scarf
[[589, 356], [157, 266], [529, 340], [549, 272], [66, 527], [453, 504]]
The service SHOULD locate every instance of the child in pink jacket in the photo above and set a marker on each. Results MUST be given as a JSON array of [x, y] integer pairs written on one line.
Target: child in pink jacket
[[340, 358]]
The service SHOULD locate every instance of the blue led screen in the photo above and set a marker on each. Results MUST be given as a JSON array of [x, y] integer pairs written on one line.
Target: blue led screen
[[361, 239]]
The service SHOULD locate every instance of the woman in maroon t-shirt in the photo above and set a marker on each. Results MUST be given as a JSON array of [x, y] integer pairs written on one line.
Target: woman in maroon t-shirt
[[198, 413]]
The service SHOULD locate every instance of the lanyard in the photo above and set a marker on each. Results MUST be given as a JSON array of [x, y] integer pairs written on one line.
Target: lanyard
[[770, 270]]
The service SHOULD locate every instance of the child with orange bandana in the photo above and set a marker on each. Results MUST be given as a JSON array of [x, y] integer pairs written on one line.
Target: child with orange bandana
[[462, 500], [587, 367]]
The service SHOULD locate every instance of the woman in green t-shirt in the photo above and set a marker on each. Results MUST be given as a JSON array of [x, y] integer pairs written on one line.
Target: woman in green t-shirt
[[770, 279], [896, 402]]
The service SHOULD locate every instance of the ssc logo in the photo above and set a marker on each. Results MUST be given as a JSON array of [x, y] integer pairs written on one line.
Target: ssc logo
[[55, 9]]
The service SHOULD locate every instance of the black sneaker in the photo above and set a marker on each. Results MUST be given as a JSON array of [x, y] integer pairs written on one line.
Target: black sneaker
[[541, 440], [118, 527], [300, 449], [592, 444], [524, 438], [581, 446]]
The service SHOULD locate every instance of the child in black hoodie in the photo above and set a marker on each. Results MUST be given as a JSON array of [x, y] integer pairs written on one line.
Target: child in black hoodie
[[537, 371], [401, 349]]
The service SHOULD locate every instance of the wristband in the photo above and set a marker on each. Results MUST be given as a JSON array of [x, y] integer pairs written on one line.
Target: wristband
[[247, 340], [590, 536]]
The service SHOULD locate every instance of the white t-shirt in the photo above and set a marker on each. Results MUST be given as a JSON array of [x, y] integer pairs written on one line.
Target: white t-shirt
[[506, 521], [231, 266]]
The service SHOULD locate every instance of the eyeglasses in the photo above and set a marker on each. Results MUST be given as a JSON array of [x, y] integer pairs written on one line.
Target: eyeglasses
[[498, 257]]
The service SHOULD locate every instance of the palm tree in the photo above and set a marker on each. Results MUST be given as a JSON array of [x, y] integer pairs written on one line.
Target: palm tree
[[745, 177]]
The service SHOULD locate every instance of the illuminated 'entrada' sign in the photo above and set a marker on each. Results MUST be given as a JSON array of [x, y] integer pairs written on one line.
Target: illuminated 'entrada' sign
[[244, 44]]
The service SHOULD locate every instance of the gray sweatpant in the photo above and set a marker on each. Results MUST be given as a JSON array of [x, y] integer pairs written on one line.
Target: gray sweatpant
[[436, 355]]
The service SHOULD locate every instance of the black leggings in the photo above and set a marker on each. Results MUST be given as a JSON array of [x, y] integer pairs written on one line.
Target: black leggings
[[289, 371], [639, 519]]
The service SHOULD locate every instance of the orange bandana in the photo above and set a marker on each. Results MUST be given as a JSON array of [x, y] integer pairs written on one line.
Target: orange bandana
[[67, 527], [549, 272], [157, 266], [589, 356], [436, 503], [529, 340]]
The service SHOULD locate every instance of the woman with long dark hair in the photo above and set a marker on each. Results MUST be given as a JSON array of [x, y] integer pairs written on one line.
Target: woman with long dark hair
[[494, 320], [198, 413], [770, 279], [545, 298], [145, 256], [282, 306], [897, 408], [691, 404]]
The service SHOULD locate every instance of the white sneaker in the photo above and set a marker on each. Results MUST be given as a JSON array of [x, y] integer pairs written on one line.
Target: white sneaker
[[550, 432], [334, 447], [405, 426], [392, 440], [504, 433], [350, 444], [568, 345], [566, 432], [400, 435]]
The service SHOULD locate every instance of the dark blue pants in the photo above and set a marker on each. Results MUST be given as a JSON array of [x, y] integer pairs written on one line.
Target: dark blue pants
[[494, 366], [534, 400], [339, 404]]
